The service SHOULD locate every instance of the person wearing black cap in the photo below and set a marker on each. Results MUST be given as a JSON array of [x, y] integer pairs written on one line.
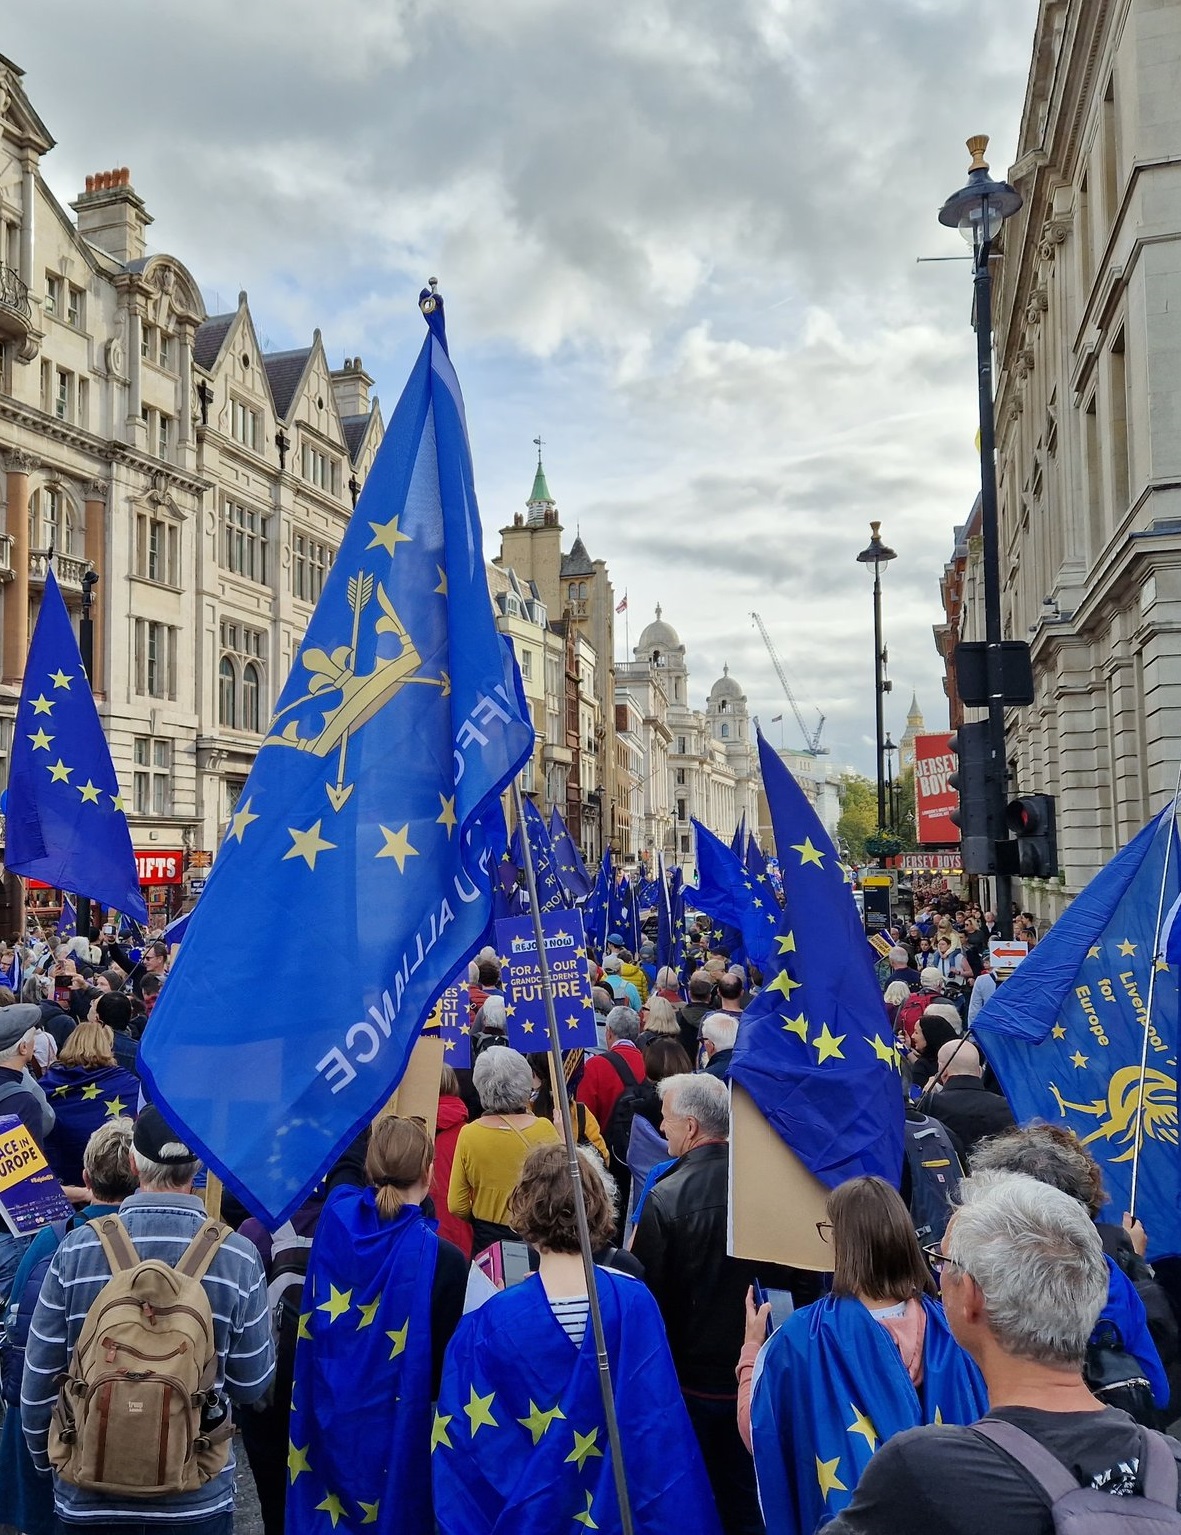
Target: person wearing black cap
[[161, 1220], [19, 1093]]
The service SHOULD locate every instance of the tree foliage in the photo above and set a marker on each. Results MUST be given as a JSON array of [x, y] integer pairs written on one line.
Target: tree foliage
[[859, 814]]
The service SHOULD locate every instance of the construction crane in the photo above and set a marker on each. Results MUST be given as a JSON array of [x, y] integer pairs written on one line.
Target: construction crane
[[812, 741]]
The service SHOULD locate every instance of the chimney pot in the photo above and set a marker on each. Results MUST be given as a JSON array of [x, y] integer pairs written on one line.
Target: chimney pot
[[90, 183], [124, 177]]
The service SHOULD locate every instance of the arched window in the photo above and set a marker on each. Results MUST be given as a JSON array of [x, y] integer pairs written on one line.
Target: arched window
[[725, 732], [722, 706], [251, 690], [227, 687]]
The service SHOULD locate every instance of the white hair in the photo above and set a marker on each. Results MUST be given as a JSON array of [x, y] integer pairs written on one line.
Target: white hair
[[899, 956], [504, 1080], [492, 1014], [624, 1022], [697, 1095], [167, 1176], [1037, 1258], [666, 979], [960, 1058], [721, 1029]]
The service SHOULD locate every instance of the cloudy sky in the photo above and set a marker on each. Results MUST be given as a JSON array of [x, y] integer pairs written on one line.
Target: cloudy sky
[[678, 240]]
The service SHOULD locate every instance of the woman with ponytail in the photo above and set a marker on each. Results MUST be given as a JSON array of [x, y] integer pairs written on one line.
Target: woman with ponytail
[[382, 1297]]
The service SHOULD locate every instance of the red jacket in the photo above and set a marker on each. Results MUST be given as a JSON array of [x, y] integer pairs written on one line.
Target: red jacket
[[452, 1117], [601, 1084]]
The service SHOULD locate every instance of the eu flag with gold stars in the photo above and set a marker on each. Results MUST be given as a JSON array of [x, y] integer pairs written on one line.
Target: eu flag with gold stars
[[1066, 1032], [815, 1049], [64, 814], [358, 845]]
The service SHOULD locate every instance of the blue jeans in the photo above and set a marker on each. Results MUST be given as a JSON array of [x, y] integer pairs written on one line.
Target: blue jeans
[[212, 1524]]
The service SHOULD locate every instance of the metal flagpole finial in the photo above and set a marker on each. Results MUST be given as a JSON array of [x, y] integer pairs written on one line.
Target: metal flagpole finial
[[429, 302]]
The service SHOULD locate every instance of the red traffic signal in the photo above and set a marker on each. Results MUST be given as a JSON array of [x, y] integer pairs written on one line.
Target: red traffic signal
[[1031, 818]]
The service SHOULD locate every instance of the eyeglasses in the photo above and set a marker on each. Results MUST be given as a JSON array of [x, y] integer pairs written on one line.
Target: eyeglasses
[[937, 1260], [824, 1230]]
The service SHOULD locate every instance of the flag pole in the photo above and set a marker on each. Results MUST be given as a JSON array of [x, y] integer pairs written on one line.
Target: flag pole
[[562, 1095], [1156, 955]]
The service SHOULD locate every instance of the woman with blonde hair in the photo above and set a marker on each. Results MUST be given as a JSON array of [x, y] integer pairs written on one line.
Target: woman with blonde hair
[[659, 1018], [383, 1295], [84, 1086]]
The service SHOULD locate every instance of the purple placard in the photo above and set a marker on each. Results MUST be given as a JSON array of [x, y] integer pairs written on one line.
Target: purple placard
[[565, 948], [30, 1195]]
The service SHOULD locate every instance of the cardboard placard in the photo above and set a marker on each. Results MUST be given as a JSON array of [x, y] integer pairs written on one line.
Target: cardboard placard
[[417, 1094], [775, 1202]]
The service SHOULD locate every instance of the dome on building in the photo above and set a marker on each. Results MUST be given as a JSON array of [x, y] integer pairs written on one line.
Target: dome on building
[[725, 687], [658, 636]]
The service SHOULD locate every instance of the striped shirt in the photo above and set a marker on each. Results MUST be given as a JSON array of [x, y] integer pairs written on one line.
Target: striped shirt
[[572, 1314], [160, 1226]]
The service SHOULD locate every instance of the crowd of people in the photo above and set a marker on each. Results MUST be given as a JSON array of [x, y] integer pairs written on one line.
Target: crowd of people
[[415, 1349]]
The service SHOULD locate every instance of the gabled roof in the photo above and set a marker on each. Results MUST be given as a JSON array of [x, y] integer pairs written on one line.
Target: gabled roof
[[284, 371], [578, 562], [354, 432], [211, 335]]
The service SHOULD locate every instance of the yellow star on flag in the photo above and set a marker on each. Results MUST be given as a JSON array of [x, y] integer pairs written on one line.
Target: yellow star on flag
[[40, 740], [333, 1507], [241, 819], [584, 1446], [1079, 1059], [938, 1418], [572, 1021], [1093, 951], [828, 1045], [441, 589], [61, 679], [539, 1421], [369, 1510], [91, 1090], [59, 772], [88, 792], [1161, 963], [1126, 948], [439, 1432], [585, 1517], [1058, 1031], [297, 1459], [117, 802], [398, 1338], [115, 1107], [386, 536], [43, 705], [862, 1425], [784, 984], [397, 846], [808, 853], [368, 1312], [479, 1412], [337, 1304], [447, 818], [307, 845], [797, 1026], [302, 1332], [785, 943], [883, 1051], [60, 1092], [826, 1475]]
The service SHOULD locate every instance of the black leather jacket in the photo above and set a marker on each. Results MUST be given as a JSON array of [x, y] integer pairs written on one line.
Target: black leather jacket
[[681, 1241]]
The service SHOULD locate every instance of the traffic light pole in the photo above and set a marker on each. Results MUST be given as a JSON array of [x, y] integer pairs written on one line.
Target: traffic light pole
[[990, 531]]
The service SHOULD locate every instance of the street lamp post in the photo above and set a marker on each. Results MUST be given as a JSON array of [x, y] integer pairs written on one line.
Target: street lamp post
[[878, 554], [978, 210]]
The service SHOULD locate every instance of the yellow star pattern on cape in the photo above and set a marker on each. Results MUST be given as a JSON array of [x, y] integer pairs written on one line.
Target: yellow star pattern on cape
[[386, 536], [43, 705], [478, 1411], [447, 817], [61, 679], [398, 1338], [1079, 1059], [883, 1051], [439, 1432], [862, 1425], [808, 853], [938, 1418], [241, 819], [297, 1459], [1161, 963], [1093, 951], [585, 1517], [584, 1446], [826, 1475], [337, 1304], [304, 1318], [60, 1092], [91, 1090], [369, 1312], [785, 943], [307, 845], [1126, 948], [797, 1026], [333, 1507], [369, 1510], [539, 1421], [1058, 1031], [115, 1107], [58, 771], [784, 984], [441, 589], [397, 846], [88, 792], [40, 741], [828, 1045]]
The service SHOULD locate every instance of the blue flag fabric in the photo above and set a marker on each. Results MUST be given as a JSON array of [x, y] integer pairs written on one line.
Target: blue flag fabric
[[360, 1436], [361, 822], [572, 870], [1171, 928], [65, 816], [670, 914], [551, 892], [82, 1098], [832, 1389], [815, 1049], [176, 929], [738, 840], [520, 1440], [1065, 1032], [67, 923], [726, 892], [622, 917], [596, 909]]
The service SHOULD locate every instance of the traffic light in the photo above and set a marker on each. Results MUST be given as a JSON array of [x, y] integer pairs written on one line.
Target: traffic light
[[1034, 853], [972, 781]]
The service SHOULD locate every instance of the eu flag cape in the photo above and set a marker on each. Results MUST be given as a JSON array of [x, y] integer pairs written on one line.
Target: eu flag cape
[[359, 832], [82, 1098], [831, 1389], [520, 1440], [1065, 1032], [64, 816], [359, 1454]]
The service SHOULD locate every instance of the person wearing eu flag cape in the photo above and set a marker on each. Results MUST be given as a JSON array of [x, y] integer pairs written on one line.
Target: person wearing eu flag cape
[[519, 1440], [382, 1296], [845, 1374]]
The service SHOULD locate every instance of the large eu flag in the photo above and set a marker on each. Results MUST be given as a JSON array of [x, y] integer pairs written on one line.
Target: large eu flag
[[571, 868], [727, 893], [65, 817], [1065, 1032], [357, 845], [815, 1049], [596, 910], [670, 917], [551, 891]]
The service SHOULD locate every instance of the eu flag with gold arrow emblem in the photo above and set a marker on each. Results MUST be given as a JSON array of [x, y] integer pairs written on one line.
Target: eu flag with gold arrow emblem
[[1066, 1032], [357, 844], [815, 1049], [64, 815]]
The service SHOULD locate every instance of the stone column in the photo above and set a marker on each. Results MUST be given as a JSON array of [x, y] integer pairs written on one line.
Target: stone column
[[135, 368], [184, 425], [28, 206], [19, 466], [97, 492]]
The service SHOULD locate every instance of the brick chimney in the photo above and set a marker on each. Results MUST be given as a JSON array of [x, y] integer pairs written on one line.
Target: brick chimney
[[111, 216], [351, 386]]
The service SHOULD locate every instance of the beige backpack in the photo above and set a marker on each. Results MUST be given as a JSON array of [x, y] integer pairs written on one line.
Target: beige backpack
[[128, 1418]]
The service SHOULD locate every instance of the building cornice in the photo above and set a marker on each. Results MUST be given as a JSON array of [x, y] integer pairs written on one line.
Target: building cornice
[[50, 428]]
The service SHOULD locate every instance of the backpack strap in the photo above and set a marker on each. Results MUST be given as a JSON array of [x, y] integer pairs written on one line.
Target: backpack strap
[[1158, 1468], [1056, 1481], [116, 1243], [200, 1252], [622, 1070]]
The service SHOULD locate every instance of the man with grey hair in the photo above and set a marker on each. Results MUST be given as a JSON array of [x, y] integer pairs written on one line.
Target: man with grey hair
[[1023, 1279], [901, 968], [604, 1077], [718, 1033], [161, 1219], [700, 1289]]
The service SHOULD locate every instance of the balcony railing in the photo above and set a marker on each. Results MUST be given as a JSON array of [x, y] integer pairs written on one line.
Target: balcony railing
[[6, 571], [68, 570], [14, 294]]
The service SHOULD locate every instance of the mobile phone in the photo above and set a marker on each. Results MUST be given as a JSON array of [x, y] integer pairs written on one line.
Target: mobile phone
[[61, 990], [781, 1303]]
